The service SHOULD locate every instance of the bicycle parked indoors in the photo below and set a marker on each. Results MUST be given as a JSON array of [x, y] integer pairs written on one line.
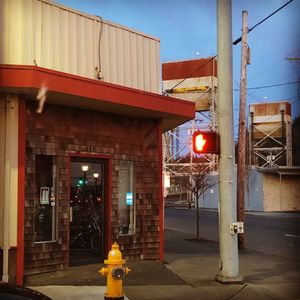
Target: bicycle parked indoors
[[85, 232], [86, 238], [87, 235]]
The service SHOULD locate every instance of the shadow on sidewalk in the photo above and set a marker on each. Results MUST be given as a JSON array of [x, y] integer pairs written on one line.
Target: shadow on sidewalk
[[188, 262], [196, 262]]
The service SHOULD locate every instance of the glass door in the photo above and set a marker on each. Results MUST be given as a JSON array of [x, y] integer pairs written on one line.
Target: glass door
[[86, 210]]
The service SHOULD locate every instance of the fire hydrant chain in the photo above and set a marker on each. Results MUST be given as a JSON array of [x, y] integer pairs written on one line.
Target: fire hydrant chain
[[115, 271]]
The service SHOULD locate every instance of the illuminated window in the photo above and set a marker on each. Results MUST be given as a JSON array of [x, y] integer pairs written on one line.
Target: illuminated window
[[126, 209], [45, 199]]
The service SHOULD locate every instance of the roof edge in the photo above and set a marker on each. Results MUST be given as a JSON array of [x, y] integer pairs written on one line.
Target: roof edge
[[99, 95]]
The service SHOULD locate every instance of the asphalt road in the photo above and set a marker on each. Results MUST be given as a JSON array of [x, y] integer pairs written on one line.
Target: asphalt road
[[273, 233]]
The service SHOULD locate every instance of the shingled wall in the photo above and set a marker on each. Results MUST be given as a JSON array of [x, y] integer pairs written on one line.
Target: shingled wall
[[63, 131]]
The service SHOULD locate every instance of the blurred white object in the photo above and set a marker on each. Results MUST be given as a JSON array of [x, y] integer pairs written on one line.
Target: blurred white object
[[41, 97]]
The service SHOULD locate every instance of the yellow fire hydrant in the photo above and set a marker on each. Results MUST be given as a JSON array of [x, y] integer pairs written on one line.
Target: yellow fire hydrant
[[114, 272]]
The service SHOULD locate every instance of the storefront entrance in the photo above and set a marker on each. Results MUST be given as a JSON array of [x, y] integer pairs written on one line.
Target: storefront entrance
[[87, 205]]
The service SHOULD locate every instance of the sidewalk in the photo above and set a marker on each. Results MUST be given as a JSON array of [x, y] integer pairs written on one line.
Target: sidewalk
[[188, 273]]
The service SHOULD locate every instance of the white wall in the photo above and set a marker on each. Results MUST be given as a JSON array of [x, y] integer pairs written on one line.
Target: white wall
[[52, 36], [9, 170]]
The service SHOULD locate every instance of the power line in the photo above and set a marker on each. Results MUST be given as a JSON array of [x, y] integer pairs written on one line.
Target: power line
[[278, 67], [270, 15], [293, 58], [193, 72], [269, 86], [234, 43], [263, 20]]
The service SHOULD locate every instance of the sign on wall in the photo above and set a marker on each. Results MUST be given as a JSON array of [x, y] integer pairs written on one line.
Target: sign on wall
[[129, 198], [44, 195]]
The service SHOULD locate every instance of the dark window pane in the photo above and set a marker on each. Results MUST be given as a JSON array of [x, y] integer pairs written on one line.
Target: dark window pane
[[45, 198], [126, 209]]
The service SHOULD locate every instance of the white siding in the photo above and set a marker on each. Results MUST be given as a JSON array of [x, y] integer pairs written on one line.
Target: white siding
[[9, 169], [2, 163], [55, 37]]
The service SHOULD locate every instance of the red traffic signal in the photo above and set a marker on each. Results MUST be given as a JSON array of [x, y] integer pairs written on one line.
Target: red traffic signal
[[206, 142]]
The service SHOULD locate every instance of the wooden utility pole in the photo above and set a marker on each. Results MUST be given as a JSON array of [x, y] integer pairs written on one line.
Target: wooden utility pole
[[241, 162]]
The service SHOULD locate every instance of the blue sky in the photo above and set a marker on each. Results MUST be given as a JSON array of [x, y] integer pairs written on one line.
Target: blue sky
[[187, 30]]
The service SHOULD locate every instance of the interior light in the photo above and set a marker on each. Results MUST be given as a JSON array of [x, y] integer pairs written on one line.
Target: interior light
[[85, 168]]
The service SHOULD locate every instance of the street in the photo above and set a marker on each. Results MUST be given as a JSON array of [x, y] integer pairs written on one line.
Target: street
[[273, 233]]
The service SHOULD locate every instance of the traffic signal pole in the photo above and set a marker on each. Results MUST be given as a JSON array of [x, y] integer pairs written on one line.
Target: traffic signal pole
[[229, 262]]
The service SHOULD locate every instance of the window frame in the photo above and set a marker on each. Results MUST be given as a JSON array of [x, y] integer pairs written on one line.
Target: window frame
[[52, 199], [128, 165]]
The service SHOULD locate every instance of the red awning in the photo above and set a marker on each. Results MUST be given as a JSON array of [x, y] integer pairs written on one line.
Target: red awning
[[71, 90]]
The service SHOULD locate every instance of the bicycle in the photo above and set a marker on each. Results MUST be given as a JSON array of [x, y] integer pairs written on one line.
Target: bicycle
[[88, 236]]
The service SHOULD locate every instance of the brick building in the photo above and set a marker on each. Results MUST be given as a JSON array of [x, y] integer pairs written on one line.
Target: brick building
[[91, 162]]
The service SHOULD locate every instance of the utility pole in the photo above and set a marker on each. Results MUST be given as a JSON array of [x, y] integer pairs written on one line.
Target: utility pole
[[241, 161], [229, 261]]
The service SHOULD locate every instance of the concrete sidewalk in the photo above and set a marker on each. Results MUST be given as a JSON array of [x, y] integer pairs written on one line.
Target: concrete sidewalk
[[188, 273]]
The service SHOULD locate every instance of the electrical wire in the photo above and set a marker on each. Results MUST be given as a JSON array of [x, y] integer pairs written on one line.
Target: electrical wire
[[263, 20], [280, 69], [276, 66], [269, 86], [193, 72], [234, 43], [270, 15]]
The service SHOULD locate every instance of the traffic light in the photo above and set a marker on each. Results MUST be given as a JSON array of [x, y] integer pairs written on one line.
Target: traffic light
[[206, 142], [81, 183]]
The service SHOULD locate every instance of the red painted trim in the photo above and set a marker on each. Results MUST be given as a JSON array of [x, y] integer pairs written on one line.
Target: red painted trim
[[21, 192], [161, 199], [143, 205], [31, 77], [68, 191], [108, 178], [108, 173]]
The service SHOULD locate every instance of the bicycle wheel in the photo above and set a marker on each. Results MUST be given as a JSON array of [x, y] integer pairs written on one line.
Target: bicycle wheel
[[79, 242], [96, 242]]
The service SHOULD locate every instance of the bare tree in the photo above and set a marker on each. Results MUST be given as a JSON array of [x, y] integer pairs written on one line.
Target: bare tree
[[200, 182]]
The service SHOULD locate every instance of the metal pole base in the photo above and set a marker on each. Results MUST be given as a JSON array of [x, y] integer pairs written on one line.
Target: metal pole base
[[229, 280]]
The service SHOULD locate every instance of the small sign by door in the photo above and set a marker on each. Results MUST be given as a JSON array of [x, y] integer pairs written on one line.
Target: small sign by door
[[129, 198], [44, 195]]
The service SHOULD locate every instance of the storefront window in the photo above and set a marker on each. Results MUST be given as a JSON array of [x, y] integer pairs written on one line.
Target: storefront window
[[45, 200], [126, 212]]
